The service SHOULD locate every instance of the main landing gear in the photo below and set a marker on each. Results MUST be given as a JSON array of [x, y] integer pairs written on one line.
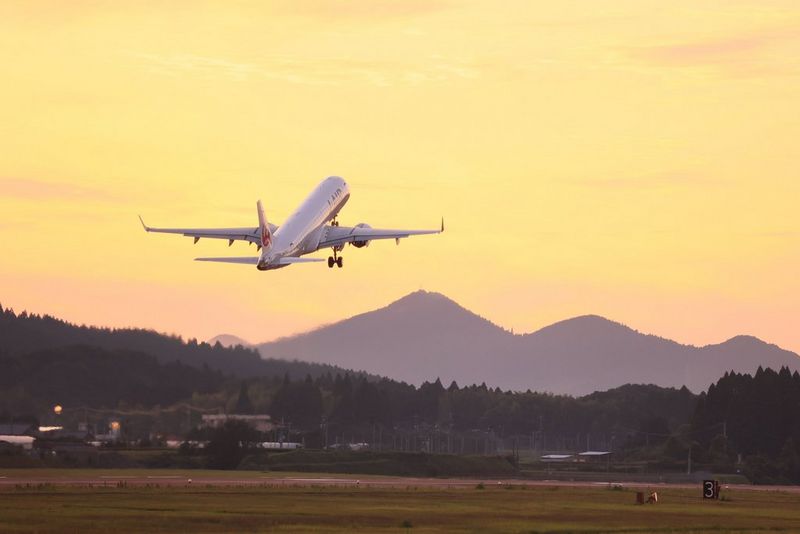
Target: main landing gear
[[334, 260]]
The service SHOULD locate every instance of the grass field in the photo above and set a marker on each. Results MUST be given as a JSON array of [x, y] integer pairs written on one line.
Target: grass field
[[264, 508]]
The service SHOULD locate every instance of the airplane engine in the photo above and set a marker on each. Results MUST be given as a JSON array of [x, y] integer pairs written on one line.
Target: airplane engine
[[359, 244]]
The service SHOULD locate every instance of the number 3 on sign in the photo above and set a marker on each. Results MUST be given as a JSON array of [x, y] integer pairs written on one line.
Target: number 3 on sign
[[710, 489]]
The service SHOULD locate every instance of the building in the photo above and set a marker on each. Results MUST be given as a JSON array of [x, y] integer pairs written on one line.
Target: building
[[280, 445], [17, 429], [262, 423], [590, 456], [26, 442]]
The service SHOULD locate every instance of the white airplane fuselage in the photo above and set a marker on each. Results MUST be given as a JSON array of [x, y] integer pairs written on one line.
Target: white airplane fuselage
[[301, 232]]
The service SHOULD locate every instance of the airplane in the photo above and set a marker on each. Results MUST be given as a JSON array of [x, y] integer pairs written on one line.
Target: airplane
[[313, 226]]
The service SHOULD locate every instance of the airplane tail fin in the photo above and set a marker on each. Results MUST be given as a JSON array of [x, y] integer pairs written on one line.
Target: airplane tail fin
[[266, 234]]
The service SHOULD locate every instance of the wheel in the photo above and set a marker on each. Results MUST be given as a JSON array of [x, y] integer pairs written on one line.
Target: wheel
[[339, 262], [330, 262]]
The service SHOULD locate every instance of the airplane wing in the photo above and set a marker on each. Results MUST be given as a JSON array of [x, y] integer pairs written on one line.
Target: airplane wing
[[339, 235], [250, 233], [291, 260], [253, 260], [247, 260]]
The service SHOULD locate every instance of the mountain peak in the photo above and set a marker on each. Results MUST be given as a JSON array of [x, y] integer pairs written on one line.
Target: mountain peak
[[591, 320], [228, 340], [745, 339], [585, 324], [745, 342], [424, 297], [433, 307], [425, 334]]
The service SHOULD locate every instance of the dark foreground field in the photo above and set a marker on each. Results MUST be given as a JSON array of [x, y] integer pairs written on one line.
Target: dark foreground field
[[416, 508]]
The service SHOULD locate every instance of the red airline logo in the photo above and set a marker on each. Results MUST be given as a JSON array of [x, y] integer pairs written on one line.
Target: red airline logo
[[266, 238]]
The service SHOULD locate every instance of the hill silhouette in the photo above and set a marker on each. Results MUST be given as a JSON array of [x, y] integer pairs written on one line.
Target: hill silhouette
[[80, 375], [23, 333], [426, 334]]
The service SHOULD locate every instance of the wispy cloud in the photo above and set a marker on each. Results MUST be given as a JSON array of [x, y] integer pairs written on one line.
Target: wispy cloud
[[395, 186], [721, 51], [780, 233], [359, 9], [652, 181], [178, 64], [312, 71], [28, 188], [737, 54]]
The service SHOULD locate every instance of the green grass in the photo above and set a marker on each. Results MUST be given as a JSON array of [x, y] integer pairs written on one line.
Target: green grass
[[264, 508], [388, 463], [383, 463]]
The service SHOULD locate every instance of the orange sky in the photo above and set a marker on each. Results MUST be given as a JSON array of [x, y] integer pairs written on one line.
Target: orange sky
[[634, 159]]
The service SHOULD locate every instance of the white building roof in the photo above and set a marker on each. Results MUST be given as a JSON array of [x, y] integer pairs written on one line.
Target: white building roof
[[25, 441]]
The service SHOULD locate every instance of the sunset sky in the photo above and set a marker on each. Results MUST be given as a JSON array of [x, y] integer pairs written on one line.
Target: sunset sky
[[633, 159]]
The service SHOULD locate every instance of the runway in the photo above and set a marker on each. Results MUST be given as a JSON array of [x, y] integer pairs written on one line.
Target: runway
[[222, 480]]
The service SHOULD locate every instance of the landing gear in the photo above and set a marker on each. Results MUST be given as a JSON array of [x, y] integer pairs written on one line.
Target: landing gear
[[335, 259]]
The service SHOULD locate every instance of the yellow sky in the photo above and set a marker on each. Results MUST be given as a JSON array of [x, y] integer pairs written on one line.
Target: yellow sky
[[634, 159]]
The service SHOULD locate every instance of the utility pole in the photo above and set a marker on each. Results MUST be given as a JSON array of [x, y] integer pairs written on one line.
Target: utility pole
[[541, 433], [725, 435], [689, 462]]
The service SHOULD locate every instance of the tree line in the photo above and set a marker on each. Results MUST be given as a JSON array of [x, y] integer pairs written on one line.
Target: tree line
[[744, 422], [755, 420], [24, 333]]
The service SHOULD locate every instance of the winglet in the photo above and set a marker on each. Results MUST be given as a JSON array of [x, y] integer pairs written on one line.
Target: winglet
[[442, 230], [146, 228]]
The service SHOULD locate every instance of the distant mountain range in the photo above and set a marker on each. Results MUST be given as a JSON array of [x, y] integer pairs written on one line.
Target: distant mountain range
[[228, 340], [426, 335]]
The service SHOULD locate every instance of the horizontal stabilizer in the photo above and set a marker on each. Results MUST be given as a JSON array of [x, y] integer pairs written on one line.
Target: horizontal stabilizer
[[288, 261], [248, 260]]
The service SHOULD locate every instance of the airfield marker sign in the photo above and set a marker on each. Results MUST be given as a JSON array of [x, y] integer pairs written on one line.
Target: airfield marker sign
[[711, 489]]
